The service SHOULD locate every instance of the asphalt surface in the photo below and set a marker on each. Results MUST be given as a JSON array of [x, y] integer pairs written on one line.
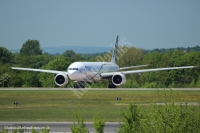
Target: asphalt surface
[[55, 126], [111, 89]]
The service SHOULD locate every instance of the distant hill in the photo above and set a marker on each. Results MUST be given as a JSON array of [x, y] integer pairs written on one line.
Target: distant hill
[[77, 49], [163, 50], [94, 50]]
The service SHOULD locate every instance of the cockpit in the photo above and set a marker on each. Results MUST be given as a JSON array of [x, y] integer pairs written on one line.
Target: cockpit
[[72, 68], [74, 71]]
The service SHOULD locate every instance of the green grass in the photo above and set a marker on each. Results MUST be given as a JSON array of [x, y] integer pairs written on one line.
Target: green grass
[[61, 105]]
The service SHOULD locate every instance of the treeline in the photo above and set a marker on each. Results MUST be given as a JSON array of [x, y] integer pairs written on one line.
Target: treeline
[[188, 49], [163, 79], [31, 56]]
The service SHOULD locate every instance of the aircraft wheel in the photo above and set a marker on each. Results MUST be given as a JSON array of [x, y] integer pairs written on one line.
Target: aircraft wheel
[[79, 85], [112, 86]]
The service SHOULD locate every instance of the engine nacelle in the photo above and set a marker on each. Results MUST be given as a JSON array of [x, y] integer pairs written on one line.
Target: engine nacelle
[[118, 79], [61, 79]]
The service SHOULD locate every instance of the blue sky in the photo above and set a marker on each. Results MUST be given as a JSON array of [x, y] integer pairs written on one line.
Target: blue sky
[[145, 24]]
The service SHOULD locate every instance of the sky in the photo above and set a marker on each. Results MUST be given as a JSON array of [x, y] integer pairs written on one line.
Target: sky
[[146, 24]]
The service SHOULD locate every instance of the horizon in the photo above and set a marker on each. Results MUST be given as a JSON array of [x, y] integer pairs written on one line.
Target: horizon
[[53, 50]]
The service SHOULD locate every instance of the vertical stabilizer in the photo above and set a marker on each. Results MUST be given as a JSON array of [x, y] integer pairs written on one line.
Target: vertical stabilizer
[[114, 52]]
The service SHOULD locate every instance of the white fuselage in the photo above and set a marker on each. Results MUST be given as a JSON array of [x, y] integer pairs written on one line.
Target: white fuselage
[[87, 71]]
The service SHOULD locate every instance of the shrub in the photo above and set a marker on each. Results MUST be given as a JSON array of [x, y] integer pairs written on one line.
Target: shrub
[[98, 124], [79, 126], [165, 117]]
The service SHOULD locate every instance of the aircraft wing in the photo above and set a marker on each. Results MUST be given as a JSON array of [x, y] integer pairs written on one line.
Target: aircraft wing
[[39, 70], [142, 71], [124, 68]]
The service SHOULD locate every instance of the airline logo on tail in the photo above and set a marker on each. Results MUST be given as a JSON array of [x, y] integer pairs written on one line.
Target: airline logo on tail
[[113, 60]]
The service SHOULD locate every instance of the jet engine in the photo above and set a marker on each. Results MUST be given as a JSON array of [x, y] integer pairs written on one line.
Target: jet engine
[[118, 79], [61, 79]]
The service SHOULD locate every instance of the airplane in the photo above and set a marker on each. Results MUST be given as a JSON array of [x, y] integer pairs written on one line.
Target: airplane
[[87, 72]]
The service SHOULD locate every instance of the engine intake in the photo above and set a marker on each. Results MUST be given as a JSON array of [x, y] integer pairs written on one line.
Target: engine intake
[[118, 79], [61, 79]]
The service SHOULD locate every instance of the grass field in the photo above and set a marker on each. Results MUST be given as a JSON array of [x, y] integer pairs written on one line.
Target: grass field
[[52, 105]]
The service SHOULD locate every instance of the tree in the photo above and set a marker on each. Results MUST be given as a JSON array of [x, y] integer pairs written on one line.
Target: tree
[[58, 63], [34, 61], [68, 53], [130, 57], [4, 80], [131, 120], [31, 79], [72, 56], [171, 117], [26, 61], [16, 79], [5, 56], [79, 126], [154, 59], [76, 57], [31, 47], [176, 58], [98, 124], [42, 60]]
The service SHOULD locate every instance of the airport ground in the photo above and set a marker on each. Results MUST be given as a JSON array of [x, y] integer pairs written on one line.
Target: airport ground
[[110, 127], [60, 105]]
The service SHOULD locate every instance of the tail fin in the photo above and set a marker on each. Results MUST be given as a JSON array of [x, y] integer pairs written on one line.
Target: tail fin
[[113, 60]]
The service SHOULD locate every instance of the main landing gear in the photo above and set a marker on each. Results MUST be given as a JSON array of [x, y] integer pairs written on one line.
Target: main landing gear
[[112, 86], [79, 85]]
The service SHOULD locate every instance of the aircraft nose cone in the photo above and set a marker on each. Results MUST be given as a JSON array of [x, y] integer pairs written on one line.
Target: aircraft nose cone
[[72, 74]]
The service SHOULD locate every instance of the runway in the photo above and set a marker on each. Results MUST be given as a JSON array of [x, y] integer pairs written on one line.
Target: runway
[[55, 126], [111, 89]]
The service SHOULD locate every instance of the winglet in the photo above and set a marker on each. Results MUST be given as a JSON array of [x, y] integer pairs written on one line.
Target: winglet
[[113, 60]]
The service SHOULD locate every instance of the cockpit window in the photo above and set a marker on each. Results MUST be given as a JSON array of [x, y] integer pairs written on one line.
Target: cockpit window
[[72, 68]]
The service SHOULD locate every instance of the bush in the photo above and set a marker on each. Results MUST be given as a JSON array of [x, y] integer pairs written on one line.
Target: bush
[[79, 126], [166, 117], [98, 124], [131, 121]]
